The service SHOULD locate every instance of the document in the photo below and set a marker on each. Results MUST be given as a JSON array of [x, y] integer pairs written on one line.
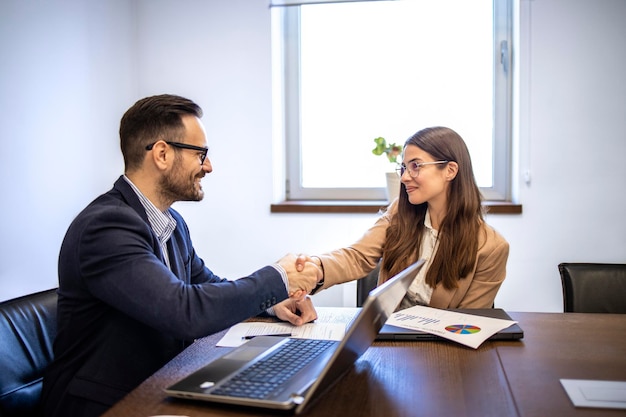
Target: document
[[331, 324], [596, 394], [467, 329]]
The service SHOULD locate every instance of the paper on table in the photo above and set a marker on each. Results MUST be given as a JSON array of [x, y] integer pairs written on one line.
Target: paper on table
[[331, 325], [596, 394], [343, 315], [468, 329]]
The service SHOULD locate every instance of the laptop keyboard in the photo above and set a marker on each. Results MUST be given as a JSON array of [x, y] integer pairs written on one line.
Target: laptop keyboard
[[260, 380]]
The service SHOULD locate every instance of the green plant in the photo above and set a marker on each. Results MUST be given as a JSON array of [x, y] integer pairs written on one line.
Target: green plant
[[391, 150]]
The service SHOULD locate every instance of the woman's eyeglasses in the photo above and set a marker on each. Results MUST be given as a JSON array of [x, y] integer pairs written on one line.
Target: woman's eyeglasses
[[414, 167]]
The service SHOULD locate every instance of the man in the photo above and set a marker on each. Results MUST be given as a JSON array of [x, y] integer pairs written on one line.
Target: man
[[133, 293]]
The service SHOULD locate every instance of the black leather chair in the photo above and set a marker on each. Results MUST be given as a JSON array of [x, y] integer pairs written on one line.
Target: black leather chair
[[28, 327], [365, 285], [593, 287]]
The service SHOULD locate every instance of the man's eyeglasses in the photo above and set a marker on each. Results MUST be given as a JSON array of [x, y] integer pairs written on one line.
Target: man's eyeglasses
[[414, 167], [203, 151]]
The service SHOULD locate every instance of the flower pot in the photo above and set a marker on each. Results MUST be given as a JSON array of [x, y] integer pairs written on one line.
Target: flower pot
[[393, 185]]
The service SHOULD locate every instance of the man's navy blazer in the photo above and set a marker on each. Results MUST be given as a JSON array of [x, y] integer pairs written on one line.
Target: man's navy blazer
[[123, 314]]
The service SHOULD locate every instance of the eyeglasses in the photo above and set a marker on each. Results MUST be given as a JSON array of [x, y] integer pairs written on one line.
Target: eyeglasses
[[414, 167], [203, 151]]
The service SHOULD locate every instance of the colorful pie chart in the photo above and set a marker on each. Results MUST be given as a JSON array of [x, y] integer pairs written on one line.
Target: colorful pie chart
[[463, 329]]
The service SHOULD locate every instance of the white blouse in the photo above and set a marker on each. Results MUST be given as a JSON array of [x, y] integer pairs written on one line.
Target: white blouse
[[419, 292]]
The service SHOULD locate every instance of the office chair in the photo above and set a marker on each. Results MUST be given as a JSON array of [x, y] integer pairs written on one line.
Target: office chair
[[28, 326], [593, 287], [365, 285]]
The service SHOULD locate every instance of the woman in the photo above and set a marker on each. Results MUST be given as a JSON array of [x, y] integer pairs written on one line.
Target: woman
[[438, 217]]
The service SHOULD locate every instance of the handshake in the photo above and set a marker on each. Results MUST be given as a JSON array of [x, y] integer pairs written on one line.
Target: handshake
[[303, 274]]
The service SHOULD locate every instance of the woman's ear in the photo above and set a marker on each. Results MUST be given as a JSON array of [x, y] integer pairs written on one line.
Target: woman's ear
[[451, 170]]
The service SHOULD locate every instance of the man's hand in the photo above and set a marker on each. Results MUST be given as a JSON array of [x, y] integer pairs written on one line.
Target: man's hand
[[296, 312], [302, 259], [302, 280]]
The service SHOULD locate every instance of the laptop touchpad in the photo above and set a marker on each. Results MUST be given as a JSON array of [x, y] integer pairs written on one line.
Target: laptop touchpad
[[245, 354]]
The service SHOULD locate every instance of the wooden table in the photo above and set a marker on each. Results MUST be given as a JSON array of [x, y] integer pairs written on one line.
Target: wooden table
[[504, 378], [571, 346]]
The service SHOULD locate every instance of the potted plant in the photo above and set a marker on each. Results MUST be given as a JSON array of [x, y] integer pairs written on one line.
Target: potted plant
[[392, 151]]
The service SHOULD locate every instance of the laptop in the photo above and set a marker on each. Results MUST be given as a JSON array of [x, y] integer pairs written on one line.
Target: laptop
[[220, 380], [514, 332]]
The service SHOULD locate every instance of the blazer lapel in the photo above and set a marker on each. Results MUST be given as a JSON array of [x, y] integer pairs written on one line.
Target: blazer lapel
[[442, 297], [129, 196]]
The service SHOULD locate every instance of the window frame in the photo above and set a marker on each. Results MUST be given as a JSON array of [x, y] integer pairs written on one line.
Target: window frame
[[286, 22]]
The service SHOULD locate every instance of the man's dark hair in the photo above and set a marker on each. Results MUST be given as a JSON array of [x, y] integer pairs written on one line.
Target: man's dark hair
[[151, 119]]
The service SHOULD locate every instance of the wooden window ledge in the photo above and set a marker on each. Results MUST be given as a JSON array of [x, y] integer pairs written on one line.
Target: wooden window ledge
[[340, 206]]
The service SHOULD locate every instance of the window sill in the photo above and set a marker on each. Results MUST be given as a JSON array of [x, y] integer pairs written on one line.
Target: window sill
[[340, 206]]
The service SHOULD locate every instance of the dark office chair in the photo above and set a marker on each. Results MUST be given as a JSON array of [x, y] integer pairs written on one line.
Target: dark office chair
[[28, 326], [365, 285], [593, 287]]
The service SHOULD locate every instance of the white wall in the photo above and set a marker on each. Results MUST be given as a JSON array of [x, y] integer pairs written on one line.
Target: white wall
[[70, 69], [66, 75]]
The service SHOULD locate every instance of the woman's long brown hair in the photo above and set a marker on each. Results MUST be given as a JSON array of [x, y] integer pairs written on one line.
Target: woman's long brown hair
[[458, 232]]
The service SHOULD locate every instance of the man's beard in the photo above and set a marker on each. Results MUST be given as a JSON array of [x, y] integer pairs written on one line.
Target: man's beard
[[175, 186]]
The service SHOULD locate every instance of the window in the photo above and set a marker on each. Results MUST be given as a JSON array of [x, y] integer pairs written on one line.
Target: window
[[350, 72]]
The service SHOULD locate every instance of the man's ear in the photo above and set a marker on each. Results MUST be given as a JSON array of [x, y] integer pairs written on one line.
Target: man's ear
[[451, 170], [160, 155]]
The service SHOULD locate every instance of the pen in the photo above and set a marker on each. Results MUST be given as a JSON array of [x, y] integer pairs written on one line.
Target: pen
[[275, 334]]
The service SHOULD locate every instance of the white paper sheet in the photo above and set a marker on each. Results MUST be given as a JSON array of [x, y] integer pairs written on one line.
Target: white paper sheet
[[330, 325], [596, 394], [468, 329]]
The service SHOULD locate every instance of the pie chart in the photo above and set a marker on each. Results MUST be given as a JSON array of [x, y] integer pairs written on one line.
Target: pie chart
[[463, 329]]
